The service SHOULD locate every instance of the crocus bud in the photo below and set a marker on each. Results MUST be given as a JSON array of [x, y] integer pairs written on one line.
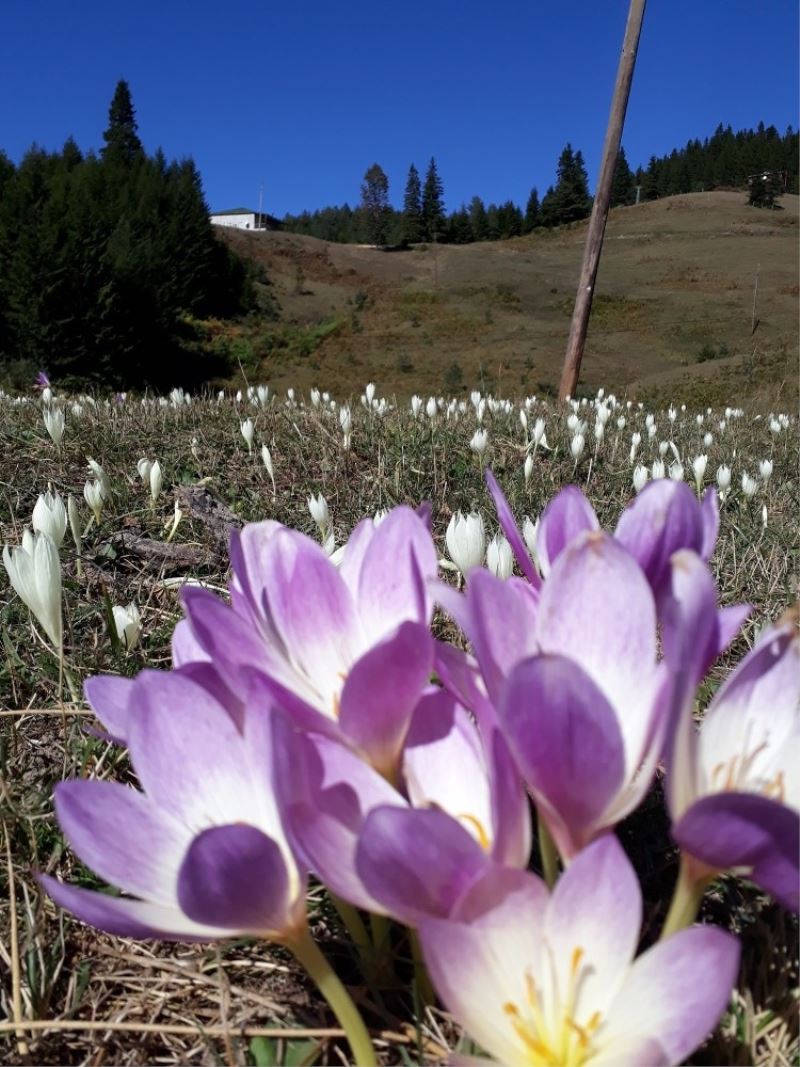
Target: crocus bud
[[708, 440], [676, 471], [318, 506], [764, 516], [699, 464], [539, 433], [528, 468], [143, 467], [248, 433], [576, 446], [499, 557], [75, 525], [93, 495], [765, 470], [466, 541], [54, 424], [479, 442], [369, 392], [723, 478], [749, 485], [101, 476], [416, 405], [156, 478], [529, 532], [658, 470], [50, 517], [430, 407], [34, 570], [640, 476], [128, 624]]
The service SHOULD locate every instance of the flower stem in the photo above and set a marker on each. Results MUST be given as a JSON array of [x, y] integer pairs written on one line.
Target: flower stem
[[547, 851], [308, 953], [425, 991], [687, 897]]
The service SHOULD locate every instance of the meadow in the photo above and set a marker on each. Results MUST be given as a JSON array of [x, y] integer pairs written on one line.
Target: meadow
[[72, 995]]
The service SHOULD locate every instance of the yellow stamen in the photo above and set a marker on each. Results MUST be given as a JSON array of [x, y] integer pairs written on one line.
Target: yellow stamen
[[483, 838]]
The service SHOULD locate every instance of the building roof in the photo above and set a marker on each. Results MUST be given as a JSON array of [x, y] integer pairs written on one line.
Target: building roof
[[237, 211]]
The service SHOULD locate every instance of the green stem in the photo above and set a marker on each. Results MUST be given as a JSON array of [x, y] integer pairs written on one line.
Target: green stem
[[379, 927], [425, 990], [547, 851], [686, 898], [354, 925], [308, 953]]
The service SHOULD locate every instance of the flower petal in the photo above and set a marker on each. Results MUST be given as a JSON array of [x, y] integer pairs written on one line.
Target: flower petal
[[676, 992], [127, 918], [568, 514], [478, 964], [596, 907], [743, 830], [509, 527], [417, 862], [381, 692], [108, 697], [123, 837], [235, 877], [567, 742]]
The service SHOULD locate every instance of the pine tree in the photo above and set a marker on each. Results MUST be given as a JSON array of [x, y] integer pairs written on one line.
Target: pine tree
[[122, 138], [532, 212], [433, 216], [375, 204], [623, 188], [477, 219], [413, 230], [570, 199]]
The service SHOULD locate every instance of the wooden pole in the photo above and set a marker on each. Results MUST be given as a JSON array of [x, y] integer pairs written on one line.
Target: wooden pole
[[602, 199]]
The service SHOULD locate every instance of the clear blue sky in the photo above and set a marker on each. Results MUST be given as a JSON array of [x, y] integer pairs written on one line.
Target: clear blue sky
[[305, 94]]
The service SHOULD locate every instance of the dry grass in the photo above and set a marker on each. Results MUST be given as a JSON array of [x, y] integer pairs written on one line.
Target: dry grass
[[72, 995]]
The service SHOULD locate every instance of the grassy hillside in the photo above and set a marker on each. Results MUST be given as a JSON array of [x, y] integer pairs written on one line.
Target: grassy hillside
[[672, 313]]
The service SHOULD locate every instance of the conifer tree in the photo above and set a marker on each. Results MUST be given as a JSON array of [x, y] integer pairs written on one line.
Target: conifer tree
[[375, 204], [433, 216], [623, 188], [121, 137], [477, 219], [412, 208], [532, 212]]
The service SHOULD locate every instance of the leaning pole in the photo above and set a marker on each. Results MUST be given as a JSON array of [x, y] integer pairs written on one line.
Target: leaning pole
[[602, 199]]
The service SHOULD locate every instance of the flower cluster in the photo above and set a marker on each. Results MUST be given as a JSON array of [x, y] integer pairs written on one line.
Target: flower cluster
[[312, 724]]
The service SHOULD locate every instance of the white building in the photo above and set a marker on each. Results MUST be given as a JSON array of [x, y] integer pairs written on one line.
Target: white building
[[241, 218]]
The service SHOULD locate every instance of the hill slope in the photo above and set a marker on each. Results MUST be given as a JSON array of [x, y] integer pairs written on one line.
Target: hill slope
[[676, 275]]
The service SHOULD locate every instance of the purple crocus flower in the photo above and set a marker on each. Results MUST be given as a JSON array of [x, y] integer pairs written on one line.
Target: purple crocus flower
[[42, 380], [733, 786], [347, 651], [537, 978], [574, 683], [462, 807], [662, 519], [201, 853]]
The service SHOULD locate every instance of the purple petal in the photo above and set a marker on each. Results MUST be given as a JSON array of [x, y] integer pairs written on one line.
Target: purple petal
[[596, 904], [381, 692], [206, 675], [235, 877], [744, 830], [417, 862], [509, 527], [566, 741], [108, 696], [510, 807], [123, 837], [459, 674], [397, 564], [676, 992], [664, 518], [567, 515], [185, 646], [325, 792], [127, 918], [596, 607], [187, 751], [481, 960], [357, 544], [247, 548]]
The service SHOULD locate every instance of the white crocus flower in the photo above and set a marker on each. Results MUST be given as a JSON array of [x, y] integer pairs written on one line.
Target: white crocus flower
[[663, 448], [34, 570], [499, 557], [156, 480], [466, 541], [143, 467], [93, 495], [266, 459], [530, 530], [658, 469], [50, 517], [749, 485], [75, 525], [764, 516], [699, 464], [676, 471], [528, 469], [431, 407], [248, 433], [318, 506], [479, 442], [765, 470], [416, 405], [128, 624], [54, 424], [708, 440], [101, 476], [576, 446], [640, 476], [723, 479], [346, 423]]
